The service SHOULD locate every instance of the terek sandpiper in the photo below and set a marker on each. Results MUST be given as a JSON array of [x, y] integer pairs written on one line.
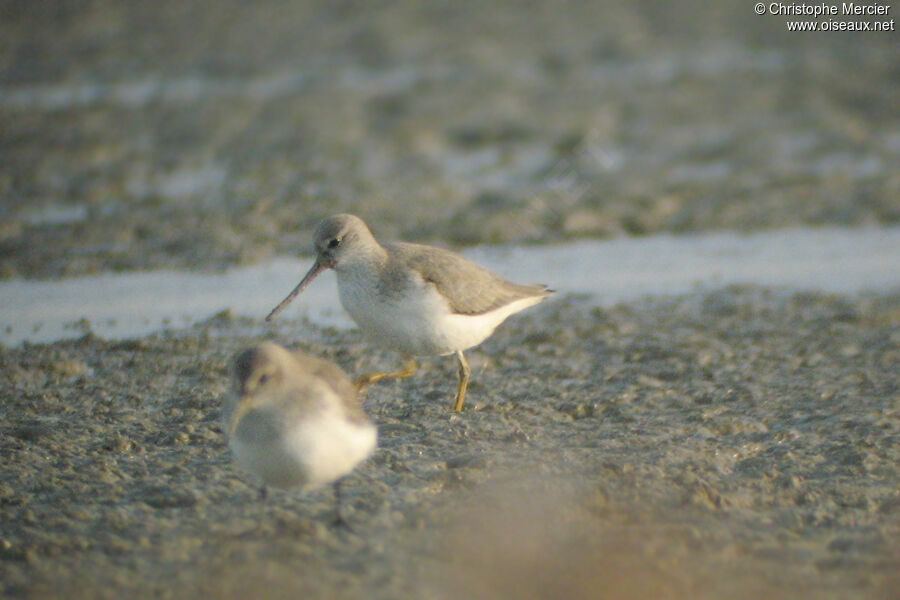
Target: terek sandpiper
[[415, 299]]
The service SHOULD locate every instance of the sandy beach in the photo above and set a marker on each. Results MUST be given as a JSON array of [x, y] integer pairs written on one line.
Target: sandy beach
[[735, 439], [729, 445]]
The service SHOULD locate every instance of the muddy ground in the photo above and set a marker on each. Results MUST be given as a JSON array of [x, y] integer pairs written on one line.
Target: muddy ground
[[737, 444], [742, 443], [139, 135]]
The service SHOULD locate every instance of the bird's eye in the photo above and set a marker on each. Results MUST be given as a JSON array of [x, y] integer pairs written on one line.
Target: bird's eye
[[263, 378], [334, 243]]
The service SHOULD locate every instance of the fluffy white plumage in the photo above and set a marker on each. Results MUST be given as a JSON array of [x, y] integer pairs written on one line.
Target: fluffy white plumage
[[294, 420]]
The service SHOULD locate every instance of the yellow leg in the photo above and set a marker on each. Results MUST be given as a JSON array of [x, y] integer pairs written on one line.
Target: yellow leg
[[464, 372], [409, 369]]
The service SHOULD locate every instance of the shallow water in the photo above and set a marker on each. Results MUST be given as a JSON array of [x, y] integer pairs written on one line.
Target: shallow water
[[126, 305], [166, 148], [724, 443]]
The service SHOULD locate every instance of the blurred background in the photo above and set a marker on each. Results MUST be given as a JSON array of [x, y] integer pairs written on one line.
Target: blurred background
[[730, 443], [138, 135]]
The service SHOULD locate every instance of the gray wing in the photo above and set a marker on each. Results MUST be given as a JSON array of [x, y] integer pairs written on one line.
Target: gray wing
[[337, 379], [333, 375], [469, 288]]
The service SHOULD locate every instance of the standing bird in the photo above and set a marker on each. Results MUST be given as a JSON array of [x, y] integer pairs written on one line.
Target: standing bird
[[415, 299], [294, 421]]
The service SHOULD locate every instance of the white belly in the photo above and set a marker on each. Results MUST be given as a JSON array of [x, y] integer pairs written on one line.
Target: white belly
[[308, 455], [331, 449], [420, 321]]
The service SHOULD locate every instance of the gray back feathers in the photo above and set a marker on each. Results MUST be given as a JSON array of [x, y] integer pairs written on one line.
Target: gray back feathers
[[469, 288]]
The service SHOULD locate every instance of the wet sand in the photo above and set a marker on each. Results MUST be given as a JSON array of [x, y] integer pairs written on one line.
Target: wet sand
[[741, 442], [725, 445], [159, 135], [130, 305]]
